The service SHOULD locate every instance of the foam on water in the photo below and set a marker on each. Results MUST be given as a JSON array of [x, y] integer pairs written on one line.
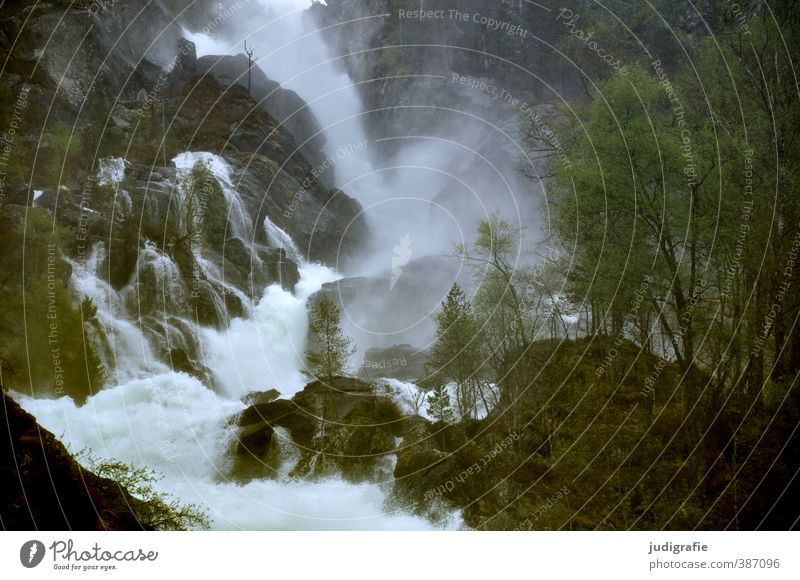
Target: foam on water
[[280, 239], [125, 351], [175, 425], [266, 350]]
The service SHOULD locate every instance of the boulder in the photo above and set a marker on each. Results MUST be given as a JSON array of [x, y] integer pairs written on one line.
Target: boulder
[[339, 426]]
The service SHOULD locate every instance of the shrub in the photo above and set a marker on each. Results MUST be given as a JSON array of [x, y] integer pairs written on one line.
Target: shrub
[[155, 509]]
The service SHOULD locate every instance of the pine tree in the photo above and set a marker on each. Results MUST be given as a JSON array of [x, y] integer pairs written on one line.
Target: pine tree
[[439, 405], [329, 348], [456, 355]]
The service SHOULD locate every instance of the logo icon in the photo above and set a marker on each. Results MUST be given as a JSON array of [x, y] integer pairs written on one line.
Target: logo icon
[[31, 553], [402, 256]]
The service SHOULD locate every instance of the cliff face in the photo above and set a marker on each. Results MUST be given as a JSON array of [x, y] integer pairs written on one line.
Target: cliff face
[[457, 85], [44, 488], [117, 113], [412, 62]]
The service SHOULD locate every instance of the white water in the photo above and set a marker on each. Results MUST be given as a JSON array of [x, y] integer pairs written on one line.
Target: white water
[[404, 394], [281, 240], [266, 350], [111, 171], [161, 274], [397, 200], [125, 351], [238, 220], [173, 423]]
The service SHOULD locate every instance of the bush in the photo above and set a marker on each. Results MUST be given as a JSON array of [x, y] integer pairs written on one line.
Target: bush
[[155, 510]]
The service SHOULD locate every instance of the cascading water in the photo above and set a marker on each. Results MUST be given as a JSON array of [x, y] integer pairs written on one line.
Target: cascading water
[[281, 240], [172, 422], [238, 220], [266, 350], [125, 351]]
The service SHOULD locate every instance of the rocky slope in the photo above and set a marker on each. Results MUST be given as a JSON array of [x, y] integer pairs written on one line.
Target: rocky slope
[[44, 488], [113, 102], [510, 470]]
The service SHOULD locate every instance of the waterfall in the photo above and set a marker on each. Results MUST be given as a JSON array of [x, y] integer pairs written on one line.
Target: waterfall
[[124, 349], [172, 422], [280, 239], [156, 274], [288, 454], [266, 350], [238, 220]]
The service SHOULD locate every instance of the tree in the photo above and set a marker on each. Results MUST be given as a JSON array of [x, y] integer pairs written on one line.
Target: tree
[[201, 207], [329, 348], [439, 404], [501, 297], [250, 62], [456, 356]]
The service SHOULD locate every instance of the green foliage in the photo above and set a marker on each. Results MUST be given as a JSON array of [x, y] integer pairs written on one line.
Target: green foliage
[[62, 157], [457, 353], [47, 345], [201, 206], [500, 306], [439, 405], [329, 349], [155, 509], [674, 245]]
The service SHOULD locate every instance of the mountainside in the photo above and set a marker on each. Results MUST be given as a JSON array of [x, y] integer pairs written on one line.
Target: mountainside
[[111, 133], [402, 265]]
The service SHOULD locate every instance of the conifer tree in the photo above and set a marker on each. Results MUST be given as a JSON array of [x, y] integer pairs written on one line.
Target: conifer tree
[[439, 405], [329, 348]]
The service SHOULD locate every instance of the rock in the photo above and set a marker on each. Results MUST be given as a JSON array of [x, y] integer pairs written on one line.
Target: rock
[[120, 122], [123, 254], [401, 361], [185, 62], [275, 267], [340, 426], [283, 105], [261, 398], [39, 474], [110, 54]]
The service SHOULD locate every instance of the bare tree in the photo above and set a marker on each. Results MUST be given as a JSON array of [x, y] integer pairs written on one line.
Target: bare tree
[[417, 397], [250, 62]]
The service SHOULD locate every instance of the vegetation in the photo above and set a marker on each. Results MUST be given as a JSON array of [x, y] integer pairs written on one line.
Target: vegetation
[[674, 258], [201, 208], [155, 510], [456, 356], [329, 349], [439, 405], [48, 341], [676, 200]]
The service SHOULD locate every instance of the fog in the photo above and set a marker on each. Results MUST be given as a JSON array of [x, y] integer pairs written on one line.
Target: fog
[[423, 187]]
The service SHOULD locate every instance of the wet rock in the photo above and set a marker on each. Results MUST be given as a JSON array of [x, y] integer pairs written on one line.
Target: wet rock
[[339, 426], [283, 105], [38, 474]]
